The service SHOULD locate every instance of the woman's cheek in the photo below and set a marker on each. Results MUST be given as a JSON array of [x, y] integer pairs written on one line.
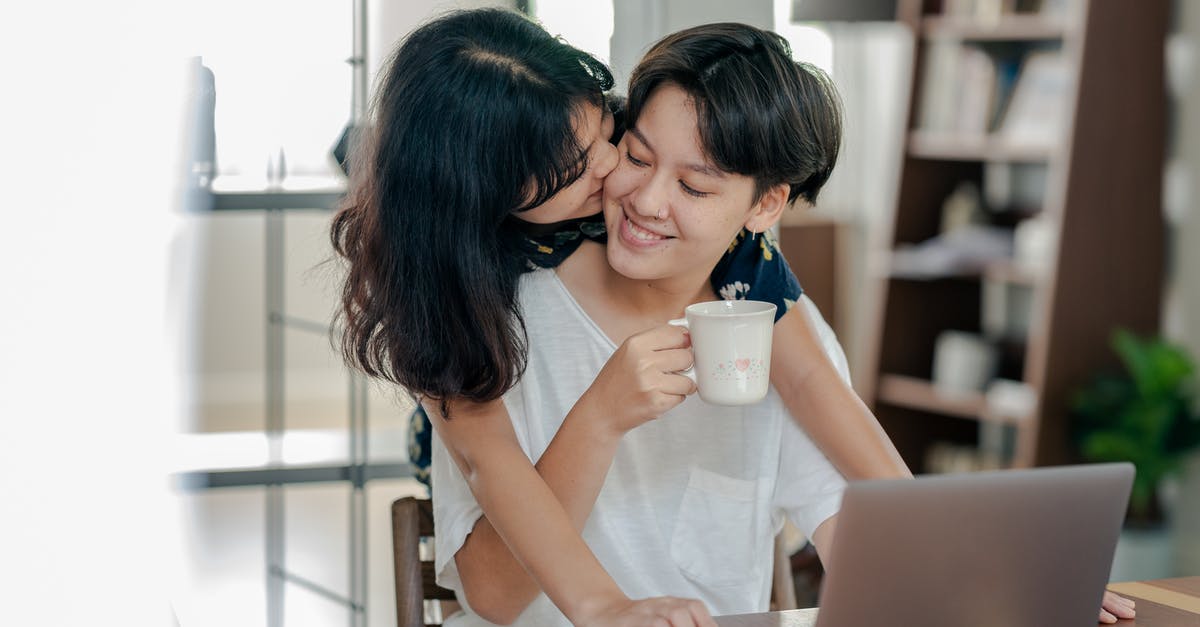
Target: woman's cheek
[[620, 182]]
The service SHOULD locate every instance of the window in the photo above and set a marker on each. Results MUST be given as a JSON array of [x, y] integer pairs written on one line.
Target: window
[[810, 42], [585, 25], [282, 80]]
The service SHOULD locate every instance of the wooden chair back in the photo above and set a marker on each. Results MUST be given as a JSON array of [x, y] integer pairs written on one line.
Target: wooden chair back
[[412, 520]]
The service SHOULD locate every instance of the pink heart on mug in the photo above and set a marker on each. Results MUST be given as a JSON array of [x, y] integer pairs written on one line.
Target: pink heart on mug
[[742, 364]]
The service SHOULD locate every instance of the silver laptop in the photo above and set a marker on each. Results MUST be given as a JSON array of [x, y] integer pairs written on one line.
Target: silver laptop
[[1019, 547]]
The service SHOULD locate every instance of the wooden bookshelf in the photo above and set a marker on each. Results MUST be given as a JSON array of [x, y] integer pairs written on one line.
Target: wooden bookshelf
[[1102, 168]]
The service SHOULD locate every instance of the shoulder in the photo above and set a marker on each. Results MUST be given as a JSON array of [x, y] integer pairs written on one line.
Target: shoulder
[[825, 334]]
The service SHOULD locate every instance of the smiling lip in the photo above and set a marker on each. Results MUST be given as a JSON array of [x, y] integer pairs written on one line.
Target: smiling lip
[[635, 235]]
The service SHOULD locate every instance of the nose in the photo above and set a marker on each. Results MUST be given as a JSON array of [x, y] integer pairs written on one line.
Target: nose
[[606, 161], [649, 198]]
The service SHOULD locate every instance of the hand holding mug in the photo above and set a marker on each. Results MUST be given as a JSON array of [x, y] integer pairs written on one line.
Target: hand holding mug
[[641, 381]]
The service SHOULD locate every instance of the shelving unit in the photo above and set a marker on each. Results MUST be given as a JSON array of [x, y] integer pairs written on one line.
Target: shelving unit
[[1102, 198]]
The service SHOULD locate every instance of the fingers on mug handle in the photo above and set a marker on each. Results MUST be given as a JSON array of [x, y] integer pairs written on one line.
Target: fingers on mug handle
[[690, 371]]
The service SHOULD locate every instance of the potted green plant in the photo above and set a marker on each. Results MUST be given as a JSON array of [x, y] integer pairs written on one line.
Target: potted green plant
[[1144, 415]]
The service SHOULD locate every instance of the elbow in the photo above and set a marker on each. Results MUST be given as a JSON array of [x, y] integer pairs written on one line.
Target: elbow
[[492, 604], [493, 596], [500, 618]]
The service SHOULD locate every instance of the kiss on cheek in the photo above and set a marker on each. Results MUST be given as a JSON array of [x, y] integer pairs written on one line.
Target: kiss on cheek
[[669, 211]]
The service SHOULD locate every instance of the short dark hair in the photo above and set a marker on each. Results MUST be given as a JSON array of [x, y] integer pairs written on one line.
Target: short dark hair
[[761, 114], [473, 121]]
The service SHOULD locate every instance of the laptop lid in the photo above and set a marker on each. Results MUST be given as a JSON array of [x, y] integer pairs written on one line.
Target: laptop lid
[[1017, 547]]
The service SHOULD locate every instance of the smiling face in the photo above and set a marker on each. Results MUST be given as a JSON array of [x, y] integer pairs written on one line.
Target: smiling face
[[669, 212], [593, 127]]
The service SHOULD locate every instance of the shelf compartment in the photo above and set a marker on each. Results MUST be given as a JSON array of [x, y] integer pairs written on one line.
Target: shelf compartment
[[921, 394], [915, 393], [1000, 272], [1010, 28], [1012, 273], [947, 147]]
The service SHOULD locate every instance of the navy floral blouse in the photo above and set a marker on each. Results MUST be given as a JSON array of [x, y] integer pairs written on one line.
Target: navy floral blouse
[[752, 269]]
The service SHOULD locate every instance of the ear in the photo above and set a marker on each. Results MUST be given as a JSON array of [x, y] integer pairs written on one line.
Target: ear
[[769, 209]]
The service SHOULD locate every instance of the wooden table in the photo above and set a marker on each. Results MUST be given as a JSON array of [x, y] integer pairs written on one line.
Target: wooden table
[[1160, 603], [1163, 602]]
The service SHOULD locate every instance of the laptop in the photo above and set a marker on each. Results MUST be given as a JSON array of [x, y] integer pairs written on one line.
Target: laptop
[[1015, 547]]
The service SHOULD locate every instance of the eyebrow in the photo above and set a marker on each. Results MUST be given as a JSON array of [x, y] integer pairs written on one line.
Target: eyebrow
[[702, 168]]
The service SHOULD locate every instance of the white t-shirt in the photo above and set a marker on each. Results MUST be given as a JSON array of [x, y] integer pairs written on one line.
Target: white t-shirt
[[693, 500]]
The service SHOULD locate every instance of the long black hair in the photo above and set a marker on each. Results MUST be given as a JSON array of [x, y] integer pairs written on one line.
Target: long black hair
[[473, 120], [761, 114]]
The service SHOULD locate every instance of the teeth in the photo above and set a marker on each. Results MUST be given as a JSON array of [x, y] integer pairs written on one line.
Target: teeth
[[642, 234]]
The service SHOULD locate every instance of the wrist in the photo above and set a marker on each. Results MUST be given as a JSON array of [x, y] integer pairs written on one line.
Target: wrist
[[592, 414], [589, 609]]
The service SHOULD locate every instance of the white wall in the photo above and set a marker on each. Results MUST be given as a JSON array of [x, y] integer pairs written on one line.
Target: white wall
[[389, 21], [639, 23]]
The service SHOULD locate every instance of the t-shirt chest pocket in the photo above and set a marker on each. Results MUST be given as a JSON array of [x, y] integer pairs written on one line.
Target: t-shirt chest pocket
[[717, 537]]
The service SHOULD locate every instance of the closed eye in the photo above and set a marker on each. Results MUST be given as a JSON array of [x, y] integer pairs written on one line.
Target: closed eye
[[691, 191], [634, 160]]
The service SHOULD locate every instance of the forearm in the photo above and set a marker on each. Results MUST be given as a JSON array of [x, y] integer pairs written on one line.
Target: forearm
[[527, 542], [578, 459], [525, 546], [826, 407], [573, 467]]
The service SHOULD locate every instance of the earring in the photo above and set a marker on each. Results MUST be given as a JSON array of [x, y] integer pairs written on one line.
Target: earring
[[753, 235]]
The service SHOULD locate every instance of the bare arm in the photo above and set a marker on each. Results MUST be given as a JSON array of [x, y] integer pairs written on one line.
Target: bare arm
[[825, 405], [481, 440], [822, 538], [636, 385]]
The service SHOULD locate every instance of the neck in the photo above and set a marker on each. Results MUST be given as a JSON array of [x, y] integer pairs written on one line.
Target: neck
[[660, 299], [622, 306]]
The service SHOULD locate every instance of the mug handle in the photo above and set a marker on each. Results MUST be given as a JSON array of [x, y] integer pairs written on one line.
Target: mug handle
[[690, 371]]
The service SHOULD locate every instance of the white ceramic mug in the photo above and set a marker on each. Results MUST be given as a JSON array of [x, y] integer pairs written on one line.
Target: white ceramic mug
[[731, 345], [963, 362]]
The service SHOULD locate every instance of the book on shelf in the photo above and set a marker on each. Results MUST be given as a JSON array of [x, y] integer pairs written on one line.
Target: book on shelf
[[958, 95], [1054, 9], [1035, 111], [986, 11], [964, 89], [969, 94]]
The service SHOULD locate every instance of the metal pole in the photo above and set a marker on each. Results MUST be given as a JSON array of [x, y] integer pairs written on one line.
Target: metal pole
[[364, 453], [274, 301], [358, 501], [354, 479], [359, 88], [358, 405]]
